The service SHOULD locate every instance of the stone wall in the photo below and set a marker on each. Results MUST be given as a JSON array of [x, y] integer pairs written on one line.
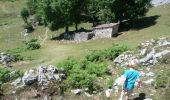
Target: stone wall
[[79, 36], [106, 30], [101, 31]]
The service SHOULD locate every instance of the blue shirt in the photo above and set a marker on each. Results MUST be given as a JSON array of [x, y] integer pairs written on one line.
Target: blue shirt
[[131, 77]]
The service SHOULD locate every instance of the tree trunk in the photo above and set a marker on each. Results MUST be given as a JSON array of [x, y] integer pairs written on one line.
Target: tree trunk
[[76, 26], [66, 29]]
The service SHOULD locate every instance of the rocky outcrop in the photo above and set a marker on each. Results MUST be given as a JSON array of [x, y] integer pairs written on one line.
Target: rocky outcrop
[[42, 75], [5, 59], [149, 53], [159, 2]]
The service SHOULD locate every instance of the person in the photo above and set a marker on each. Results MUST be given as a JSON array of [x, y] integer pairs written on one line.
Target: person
[[131, 77]]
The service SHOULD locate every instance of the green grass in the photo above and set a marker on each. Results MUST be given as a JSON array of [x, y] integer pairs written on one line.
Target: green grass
[[54, 51]]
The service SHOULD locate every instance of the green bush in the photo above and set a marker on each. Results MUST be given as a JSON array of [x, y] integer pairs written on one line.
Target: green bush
[[96, 56], [115, 51], [97, 68], [67, 64], [32, 44], [8, 75], [83, 63], [81, 79]]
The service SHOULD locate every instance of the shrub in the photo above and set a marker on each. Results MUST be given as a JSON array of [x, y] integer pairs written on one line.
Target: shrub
[[32, 44], [83, 64], [97, 68], [81, 79], [115, 51], [68, 64], [96, 56], [7, 75]]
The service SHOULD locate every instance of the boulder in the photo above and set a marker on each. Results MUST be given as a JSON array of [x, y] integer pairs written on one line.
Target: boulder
[[30, 77]]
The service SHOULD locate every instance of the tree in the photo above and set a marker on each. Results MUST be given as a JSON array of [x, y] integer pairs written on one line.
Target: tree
[[130, 9], [77, 11], [99, 11], [25, 15], [32, 6]]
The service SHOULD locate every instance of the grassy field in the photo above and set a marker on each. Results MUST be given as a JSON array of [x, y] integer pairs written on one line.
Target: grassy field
[[155, 24]]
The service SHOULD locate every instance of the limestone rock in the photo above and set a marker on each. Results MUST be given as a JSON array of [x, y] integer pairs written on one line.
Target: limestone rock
[[30, 77], [76, 91]]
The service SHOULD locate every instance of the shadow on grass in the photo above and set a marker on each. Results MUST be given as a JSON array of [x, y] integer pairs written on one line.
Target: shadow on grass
[[142, 96], [141, 23]]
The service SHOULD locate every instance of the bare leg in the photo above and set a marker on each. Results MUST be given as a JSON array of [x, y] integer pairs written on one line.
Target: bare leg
[[122, 94]]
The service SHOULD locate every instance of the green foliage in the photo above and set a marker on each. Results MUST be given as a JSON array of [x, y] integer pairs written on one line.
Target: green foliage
[[97, 68], [32, 44], [8, 75], [67, 64], [81, 79], [25, 14], [63, 13], [96, 56], [115, 51], [82, 73], [16, 50], [99, 11], [110, 82], [130, 9]]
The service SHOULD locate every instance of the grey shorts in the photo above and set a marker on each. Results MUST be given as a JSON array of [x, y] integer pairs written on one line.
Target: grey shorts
[[128, 92]]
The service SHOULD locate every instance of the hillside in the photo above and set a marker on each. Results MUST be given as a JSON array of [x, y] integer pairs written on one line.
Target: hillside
[[153, 26]]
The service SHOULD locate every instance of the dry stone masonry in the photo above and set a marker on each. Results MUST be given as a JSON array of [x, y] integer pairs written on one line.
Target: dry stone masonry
[[101, 31]]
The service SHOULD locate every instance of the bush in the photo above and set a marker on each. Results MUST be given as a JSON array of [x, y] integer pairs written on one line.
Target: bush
[[32, 44], [96, 56], [7, 75], [81, 79], [68, 64], [97, 68], [115, 51]]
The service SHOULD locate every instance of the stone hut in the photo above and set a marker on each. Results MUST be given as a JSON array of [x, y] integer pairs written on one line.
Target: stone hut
[[100, 31], [106, 30]]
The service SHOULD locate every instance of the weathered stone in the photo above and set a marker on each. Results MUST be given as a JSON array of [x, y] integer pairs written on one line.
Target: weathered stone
[[149, 81], [108, 92], [150, 74], [30, 77], [16, 82], [87, 94], [5, 59], [106, 30], [76, 91]]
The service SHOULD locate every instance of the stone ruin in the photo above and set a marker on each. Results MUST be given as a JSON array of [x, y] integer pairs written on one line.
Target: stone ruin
[[100, 31], [147, 54]]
